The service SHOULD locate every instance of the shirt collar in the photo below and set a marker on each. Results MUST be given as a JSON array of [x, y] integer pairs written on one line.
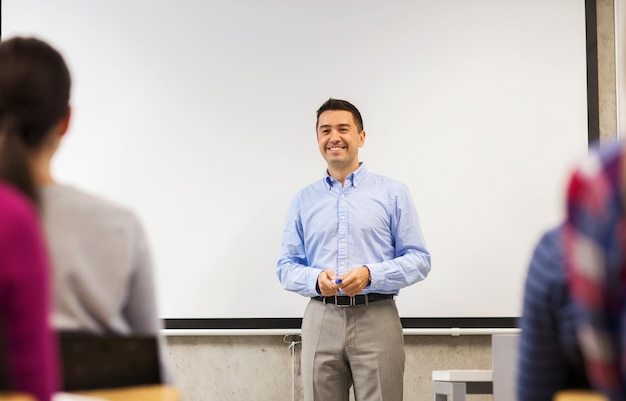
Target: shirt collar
[[353, 179]]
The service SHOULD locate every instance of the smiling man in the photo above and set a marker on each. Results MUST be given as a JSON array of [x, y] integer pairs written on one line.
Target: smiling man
[[340, 136], [351, 241]]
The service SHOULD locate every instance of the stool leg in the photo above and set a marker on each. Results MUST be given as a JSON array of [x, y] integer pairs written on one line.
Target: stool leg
[[441, 390], [450, 391], [459, 392]]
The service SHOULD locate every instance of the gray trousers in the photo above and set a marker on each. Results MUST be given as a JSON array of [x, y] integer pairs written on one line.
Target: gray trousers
[[359, 345]]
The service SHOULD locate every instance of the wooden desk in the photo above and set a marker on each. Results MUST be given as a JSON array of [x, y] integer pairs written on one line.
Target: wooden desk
[[10, 396], [578, 395], [139, 393]]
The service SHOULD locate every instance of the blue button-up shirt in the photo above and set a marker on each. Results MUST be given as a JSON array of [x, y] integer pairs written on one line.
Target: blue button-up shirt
[[370, 220]]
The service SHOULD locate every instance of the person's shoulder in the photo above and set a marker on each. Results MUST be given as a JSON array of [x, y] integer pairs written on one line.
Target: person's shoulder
[[385, 181], [82, 202], [16, 207], [313, 187], [547, 260], [551, 238], [386, 178], [19, 219]]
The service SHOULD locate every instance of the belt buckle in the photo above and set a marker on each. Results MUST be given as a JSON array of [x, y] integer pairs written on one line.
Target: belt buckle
[[352, 303]]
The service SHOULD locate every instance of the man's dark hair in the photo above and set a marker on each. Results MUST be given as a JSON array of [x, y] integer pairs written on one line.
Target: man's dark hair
[[338, 104]]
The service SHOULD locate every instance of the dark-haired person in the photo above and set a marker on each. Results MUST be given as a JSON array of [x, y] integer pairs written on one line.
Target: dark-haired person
[[549, 355], [351, 241], [103, 275], [29, 362]]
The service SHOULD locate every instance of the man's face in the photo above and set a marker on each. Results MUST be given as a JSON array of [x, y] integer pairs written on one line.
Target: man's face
[[339, 139]]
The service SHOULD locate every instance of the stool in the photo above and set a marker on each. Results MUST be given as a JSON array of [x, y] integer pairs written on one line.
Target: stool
[[454, 385]]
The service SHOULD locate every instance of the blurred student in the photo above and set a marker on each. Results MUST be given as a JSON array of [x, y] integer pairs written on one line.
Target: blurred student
[[595, 246], [549, 356], [103, 275], [28, 345]]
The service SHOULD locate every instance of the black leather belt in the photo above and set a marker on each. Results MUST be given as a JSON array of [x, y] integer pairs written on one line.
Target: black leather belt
[[344, 300]]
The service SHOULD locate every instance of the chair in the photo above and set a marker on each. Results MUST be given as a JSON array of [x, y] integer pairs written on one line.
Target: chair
[[107, 361], [579, 395]]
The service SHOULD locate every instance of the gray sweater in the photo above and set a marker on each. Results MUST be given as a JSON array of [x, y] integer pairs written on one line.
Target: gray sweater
[[103, 275]]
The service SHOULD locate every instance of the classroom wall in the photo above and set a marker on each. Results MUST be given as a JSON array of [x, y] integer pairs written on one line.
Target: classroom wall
[[235, 368], [607, 85], [261, 368]]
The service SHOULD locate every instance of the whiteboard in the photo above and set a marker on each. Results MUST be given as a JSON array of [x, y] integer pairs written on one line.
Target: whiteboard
[[200, 117]]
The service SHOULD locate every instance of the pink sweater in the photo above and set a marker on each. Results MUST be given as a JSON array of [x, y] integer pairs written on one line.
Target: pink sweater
[[28, 341]]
